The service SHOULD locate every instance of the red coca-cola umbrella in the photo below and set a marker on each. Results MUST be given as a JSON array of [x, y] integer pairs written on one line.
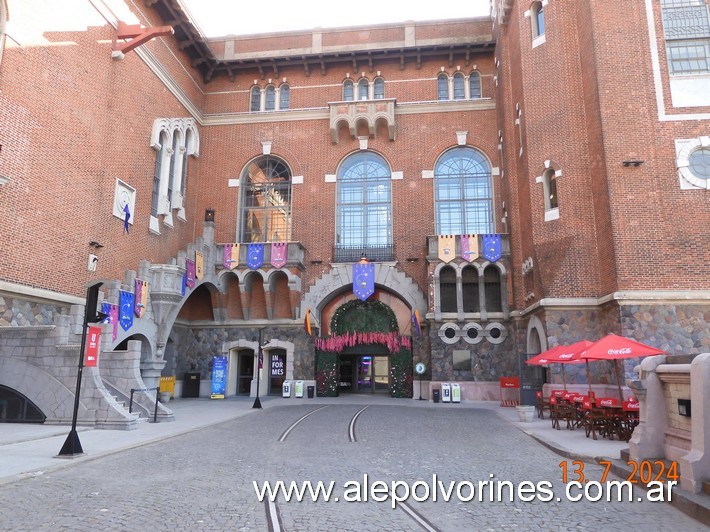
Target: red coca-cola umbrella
[[613, 347], [561, 354]]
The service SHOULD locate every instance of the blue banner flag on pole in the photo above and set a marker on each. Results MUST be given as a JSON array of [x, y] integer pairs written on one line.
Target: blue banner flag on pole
[[126, 302], [363, 280], [255, 255], [219, 377], [491, 247]]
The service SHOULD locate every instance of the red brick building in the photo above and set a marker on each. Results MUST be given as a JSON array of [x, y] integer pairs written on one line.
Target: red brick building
[[571, 137]]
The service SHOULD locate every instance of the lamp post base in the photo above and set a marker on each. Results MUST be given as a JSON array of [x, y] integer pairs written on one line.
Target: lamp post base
[[257, 403], [72, 446]]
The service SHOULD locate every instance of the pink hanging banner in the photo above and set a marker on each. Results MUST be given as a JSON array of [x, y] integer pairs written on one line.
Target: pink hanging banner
[[230, 257], [278, 254], [190, 273], [114, 321], [469, 247]]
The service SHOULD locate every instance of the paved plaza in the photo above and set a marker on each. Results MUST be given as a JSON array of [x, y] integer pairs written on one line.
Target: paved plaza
[[203, 479]]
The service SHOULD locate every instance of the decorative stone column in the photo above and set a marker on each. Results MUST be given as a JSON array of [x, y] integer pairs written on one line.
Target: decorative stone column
[[648, 439], [695, 466]]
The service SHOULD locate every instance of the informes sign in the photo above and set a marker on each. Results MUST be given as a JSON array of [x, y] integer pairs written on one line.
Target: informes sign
[[93, 340], [278, 365], [219, 377]]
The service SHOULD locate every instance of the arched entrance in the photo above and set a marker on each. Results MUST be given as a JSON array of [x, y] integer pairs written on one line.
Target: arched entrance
[[16, 408], [364, 353]]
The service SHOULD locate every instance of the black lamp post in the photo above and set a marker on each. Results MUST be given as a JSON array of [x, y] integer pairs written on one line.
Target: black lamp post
[[257, 401], [72, 445]]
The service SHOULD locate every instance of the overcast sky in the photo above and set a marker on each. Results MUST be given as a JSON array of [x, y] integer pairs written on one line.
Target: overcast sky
[[237, 17]]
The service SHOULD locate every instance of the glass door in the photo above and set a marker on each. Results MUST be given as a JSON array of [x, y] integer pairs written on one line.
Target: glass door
[[364, 374], [381, 374]]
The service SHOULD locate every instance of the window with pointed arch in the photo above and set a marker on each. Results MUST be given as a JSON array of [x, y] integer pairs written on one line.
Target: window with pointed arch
[[265, 201], [447, 289], [175, 140], [442, 87], [379, 89], [363, 89], [470, 292], [348, 91], [537, 17], [270, 98], [255, 95], [474, 85], [364, 208], [492, 289], [459, 87], [463, 193], [284, 97]]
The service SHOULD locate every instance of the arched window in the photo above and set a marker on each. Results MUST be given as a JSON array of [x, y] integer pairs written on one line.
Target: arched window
[[364, 209], [491, 284], [348, 91], [463, 193], [459, 87], [447, 289], [549, 184], [175, 157], [255, 99], [266, 201], [284, 96], [442, 87], [158, 173], [363, 89], [538, 19], [474, 84], [379, 89], [189, 141], [270, 98], [469, 281]]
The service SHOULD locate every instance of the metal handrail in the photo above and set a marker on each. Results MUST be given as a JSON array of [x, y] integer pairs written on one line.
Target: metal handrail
[[130, 404]]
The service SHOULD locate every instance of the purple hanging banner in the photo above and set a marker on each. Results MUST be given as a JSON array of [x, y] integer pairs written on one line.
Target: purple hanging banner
[[278, 254], [255, 256], [141, 298], [491, 247], [190, 273], [363, 280]]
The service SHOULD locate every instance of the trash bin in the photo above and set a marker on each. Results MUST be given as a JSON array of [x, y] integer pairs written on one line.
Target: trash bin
[[455, 392], [298, 389], [286, 389], [445, 392], [311, 392], [436, 394]]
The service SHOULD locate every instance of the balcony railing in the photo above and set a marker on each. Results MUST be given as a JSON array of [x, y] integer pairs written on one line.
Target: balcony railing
[[383, 253]]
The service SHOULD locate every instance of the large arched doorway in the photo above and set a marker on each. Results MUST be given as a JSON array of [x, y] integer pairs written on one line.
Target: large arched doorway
[[365, 352]]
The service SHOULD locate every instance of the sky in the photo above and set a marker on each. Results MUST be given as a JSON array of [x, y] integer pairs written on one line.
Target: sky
[[217, 18]]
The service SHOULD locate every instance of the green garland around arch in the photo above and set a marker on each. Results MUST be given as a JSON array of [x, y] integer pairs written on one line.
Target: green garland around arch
[[326, 374], [363, 316], [401, 374]]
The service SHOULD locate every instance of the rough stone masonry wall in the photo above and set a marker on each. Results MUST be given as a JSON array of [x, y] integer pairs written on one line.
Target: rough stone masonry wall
[[195, 347], [24, 313]]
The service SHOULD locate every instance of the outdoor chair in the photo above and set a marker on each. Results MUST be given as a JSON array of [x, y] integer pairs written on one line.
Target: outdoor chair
[[542, 405], [561, 411]]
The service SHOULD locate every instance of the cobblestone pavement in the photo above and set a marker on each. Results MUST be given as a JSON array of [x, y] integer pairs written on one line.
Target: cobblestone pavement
[[203, 480]]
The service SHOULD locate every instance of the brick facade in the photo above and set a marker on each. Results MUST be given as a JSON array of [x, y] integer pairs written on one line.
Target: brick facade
[[584, 101]]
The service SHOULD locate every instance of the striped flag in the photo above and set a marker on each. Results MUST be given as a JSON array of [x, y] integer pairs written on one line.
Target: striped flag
[[416, 323]]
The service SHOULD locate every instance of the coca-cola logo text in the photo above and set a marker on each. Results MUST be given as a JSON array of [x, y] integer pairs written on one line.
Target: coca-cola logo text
[[622, 351]]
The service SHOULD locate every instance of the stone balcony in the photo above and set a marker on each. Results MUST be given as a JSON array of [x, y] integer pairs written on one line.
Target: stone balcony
[[367, 112], [433, 247]]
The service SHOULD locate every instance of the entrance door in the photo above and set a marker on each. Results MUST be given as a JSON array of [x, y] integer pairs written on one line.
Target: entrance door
[[277, 371], [364, 374], [245, 373]]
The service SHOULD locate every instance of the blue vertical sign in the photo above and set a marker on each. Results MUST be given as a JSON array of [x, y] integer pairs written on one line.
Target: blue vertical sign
[[219, 377]]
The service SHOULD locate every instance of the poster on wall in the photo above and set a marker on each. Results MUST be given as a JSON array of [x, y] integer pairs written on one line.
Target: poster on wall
[[219, 377]]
